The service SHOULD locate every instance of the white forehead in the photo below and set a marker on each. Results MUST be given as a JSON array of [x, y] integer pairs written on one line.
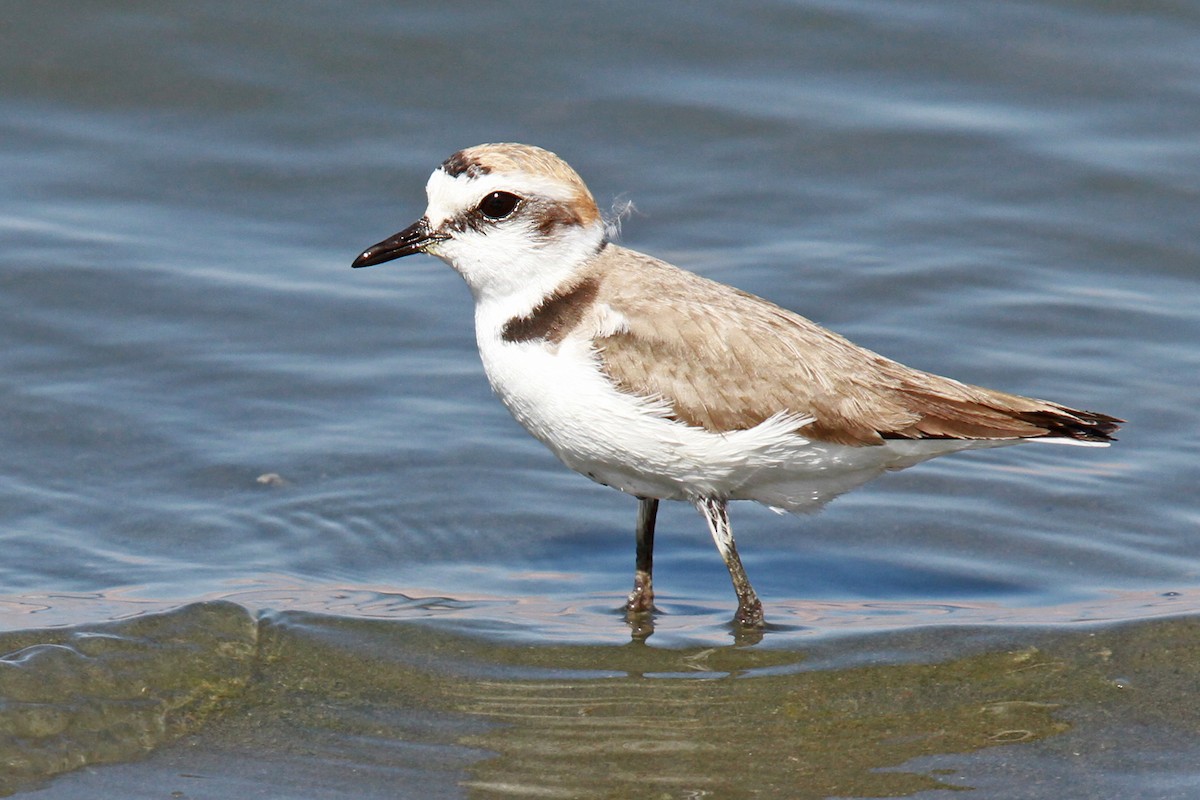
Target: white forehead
[[451, 195]]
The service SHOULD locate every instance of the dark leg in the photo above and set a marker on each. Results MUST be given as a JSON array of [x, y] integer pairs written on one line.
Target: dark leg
[[749, 613], [641, 599]]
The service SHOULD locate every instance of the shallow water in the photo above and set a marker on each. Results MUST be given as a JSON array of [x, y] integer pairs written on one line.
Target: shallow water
[[311, 705], [1004, 194]]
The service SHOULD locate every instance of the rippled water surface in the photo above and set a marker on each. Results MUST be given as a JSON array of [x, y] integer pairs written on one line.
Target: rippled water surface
[[201, 403]]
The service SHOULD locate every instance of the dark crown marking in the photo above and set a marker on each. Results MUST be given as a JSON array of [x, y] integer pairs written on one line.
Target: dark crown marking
[[554, 317], [459, 163]]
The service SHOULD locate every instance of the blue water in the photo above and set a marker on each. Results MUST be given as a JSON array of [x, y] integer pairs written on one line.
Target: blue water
[[1006, 194]]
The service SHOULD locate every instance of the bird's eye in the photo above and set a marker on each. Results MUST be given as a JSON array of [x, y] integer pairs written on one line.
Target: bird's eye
[[498, 205]]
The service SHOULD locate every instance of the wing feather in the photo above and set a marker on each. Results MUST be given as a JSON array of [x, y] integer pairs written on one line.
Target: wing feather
[[725, 360]]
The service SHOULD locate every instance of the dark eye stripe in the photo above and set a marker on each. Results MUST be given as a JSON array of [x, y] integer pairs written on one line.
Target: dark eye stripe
[[498, 205]]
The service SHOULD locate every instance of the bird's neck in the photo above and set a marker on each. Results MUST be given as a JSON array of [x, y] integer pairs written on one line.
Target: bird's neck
[[517, 286]]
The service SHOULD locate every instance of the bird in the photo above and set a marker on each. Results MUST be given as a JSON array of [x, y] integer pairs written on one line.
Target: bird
[[667, 385]]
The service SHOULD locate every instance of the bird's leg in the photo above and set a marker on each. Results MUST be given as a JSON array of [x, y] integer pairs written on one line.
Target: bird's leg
[[641, 599], [749, 613]]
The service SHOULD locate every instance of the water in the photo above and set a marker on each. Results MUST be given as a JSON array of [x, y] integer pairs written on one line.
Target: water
[[1006, 194]]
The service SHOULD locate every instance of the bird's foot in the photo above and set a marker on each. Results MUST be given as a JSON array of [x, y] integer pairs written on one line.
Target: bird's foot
[[639, 608], [641, 599], [749, 613]]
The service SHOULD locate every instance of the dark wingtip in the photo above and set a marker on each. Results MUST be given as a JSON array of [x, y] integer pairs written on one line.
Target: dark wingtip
[[1082, 426]]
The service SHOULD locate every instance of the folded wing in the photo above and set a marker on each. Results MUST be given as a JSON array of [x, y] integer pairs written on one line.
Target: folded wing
[[726, 360]]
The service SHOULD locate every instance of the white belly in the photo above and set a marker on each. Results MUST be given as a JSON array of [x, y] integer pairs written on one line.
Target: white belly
[[561, 397]]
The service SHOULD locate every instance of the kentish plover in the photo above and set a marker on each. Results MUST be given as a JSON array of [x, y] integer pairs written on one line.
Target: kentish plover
[[669, 386]]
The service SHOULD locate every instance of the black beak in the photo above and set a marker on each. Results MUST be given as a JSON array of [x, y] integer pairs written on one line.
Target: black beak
[[413, 239]]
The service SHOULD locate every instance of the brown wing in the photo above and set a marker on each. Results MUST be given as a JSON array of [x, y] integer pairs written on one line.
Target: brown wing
[[726, 360]]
